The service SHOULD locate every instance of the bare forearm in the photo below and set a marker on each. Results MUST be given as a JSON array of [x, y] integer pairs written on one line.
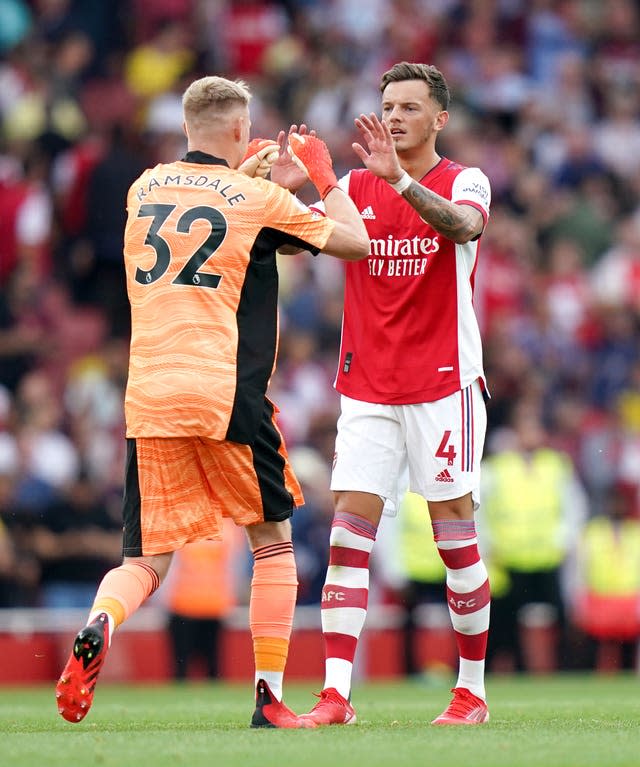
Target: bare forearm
[[349, 239], [340, 207], [459, 223]]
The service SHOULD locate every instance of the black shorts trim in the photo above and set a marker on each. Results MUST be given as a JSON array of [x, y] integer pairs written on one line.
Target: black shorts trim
[[131, 505], [269, 465]]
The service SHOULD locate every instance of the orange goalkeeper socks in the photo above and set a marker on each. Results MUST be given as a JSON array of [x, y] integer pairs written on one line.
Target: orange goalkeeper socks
[[274, 589], [122, 591]]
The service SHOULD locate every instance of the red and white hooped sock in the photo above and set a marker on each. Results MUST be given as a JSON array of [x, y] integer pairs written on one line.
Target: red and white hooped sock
[[345, 596], [468, 598]]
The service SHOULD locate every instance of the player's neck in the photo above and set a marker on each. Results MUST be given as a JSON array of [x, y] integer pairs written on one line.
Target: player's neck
[[221, 149], [418, 167]]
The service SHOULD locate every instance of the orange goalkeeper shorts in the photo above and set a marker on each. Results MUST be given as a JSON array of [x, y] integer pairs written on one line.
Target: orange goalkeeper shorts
[[178, 489]]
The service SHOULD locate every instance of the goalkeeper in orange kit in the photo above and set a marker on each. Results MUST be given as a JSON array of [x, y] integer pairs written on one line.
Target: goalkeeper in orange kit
[[203, 441]]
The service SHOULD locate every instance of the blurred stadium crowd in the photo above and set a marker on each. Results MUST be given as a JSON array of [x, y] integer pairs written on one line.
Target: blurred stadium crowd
[[545, 100]]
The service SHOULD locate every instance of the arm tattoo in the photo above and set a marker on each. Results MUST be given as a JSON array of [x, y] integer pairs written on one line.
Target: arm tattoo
[[453, 221]]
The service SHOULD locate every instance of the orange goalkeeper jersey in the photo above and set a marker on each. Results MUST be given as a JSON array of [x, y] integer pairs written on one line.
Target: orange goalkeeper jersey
[[200, 258]]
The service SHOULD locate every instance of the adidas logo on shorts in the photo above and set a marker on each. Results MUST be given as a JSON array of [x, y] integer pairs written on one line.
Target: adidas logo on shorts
[[444, 476]]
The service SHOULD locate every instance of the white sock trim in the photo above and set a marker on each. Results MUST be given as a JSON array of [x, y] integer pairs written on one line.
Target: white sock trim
[[471, 676], [338, 674], [273, 679]]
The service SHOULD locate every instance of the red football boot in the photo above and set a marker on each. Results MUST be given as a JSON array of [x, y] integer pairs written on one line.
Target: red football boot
[[74, 691], [465, 708], [332, 708], [271, 712]]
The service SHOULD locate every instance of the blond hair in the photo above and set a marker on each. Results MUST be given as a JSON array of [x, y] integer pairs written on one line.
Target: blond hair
[[213, 95]]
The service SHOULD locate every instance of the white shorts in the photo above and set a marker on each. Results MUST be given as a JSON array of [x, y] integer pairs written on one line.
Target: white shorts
[[440, 444]]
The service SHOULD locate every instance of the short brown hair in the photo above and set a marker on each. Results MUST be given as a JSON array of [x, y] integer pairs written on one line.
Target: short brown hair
[[213, 93], [431, 75]]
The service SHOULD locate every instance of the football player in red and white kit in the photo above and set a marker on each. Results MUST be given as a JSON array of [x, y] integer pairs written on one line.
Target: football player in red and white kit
[[411, 379]]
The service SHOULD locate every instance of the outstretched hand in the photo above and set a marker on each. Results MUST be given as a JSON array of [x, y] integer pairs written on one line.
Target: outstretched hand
[[285, 170], [380, 155]]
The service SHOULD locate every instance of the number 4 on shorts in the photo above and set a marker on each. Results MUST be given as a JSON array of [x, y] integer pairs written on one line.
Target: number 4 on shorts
[[445, 450]]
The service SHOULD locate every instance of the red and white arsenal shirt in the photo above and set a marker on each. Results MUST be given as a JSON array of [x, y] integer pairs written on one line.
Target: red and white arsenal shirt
[[409, 330]]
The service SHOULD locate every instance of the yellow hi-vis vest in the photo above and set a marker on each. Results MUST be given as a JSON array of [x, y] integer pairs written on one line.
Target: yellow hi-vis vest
[[420, 558], [611, 556], [523, 510]]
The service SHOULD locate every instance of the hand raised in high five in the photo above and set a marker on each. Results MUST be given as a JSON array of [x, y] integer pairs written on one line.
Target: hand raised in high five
[[285, 170], [380, 155]]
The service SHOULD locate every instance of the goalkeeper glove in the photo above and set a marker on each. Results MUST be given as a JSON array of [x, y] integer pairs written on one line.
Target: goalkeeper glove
[[260, 156], [312, 156]]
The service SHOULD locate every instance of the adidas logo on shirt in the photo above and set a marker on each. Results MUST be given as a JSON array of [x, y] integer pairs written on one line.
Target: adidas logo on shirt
[[444, 476], [368, 212]]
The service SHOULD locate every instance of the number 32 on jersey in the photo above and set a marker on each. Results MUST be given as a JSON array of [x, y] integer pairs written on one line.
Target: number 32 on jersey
[[190, 274]]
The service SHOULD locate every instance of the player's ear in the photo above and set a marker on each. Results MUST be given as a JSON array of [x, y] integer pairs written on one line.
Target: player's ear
[[442, 118], [236, 128], [241, 126]]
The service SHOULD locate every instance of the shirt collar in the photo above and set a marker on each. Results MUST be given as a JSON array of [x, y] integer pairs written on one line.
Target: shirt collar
[[202, 158]]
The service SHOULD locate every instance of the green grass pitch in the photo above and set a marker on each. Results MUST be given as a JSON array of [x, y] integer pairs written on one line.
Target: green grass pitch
[[557, 721]]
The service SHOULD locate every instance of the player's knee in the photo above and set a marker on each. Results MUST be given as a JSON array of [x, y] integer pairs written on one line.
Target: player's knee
[[454, 508], [267, 533], [366, 505]]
